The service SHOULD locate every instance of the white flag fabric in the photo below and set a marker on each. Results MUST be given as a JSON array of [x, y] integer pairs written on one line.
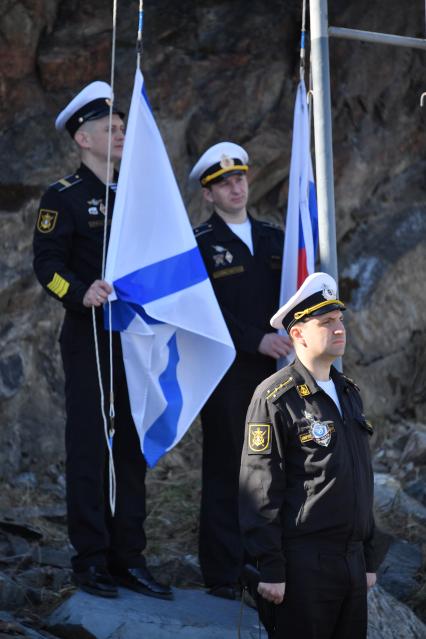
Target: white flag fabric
[[301, 228], [176, 345]]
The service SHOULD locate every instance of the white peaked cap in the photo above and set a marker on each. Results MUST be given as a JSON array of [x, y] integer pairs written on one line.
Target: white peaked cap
[[316, 296], [91, 103], [220, 159]]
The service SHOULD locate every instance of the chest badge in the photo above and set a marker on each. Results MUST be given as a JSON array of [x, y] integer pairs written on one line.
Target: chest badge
[[303, 390], [95, 207], [259, 440], [319, 431], [222, 257]]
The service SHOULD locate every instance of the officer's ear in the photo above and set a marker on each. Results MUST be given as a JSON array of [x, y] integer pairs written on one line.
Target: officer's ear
[[82, 136], [82, 139], [296, 334], [207, 194]]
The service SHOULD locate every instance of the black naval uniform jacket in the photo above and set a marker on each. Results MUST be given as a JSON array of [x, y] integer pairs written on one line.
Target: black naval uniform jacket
[[246, 286], [293, 488], [68, 238], [68, 245]]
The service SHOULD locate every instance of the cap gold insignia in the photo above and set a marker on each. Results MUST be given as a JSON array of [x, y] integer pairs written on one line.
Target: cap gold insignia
[[303, 390], [259, 440], [46, 220], [226, 162], [328, 293], [108, 102]]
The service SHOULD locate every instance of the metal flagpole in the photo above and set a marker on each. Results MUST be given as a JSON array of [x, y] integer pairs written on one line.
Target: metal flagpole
[[378, 38], [320, 69]]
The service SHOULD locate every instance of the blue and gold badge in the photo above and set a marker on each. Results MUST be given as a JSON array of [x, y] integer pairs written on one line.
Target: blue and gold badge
[[46, 220], [259, 439], [319, 432]]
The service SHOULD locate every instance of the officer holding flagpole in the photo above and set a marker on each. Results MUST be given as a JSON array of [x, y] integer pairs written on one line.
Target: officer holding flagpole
[[243, 258], [68, 251]]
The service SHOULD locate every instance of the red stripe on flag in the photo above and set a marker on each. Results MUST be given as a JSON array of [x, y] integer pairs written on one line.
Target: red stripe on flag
[[302, 267]]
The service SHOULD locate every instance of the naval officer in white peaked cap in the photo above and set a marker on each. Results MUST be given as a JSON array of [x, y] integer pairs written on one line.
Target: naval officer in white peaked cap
[[220, 160], [243, 257], [92, 103], [68, 250], [306, 480]]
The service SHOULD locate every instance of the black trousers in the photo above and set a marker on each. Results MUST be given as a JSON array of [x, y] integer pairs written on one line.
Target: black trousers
[[326, 593], [223, 420], [98, 538]]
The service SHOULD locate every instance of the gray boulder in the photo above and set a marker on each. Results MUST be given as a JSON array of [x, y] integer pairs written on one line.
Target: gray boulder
[[398, 571], [388, 618], [396, 512], [195, 615], [192, 615]]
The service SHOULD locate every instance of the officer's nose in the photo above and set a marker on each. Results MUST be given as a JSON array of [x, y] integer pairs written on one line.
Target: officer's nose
[[340, 328]]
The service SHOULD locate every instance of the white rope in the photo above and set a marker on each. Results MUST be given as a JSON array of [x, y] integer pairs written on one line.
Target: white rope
[[109, 432], [114, 34], [108, 438]]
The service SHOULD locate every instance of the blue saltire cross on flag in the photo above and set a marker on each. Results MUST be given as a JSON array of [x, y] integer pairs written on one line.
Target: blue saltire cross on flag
[[176, 345]]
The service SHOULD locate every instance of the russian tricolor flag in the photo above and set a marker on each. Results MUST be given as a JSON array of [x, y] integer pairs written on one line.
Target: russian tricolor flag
[[301, 229]]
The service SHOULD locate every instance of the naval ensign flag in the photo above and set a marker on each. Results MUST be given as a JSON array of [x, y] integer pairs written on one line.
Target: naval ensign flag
[[176, 345]]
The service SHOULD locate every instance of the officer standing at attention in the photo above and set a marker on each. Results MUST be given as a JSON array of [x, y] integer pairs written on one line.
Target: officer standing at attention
[[306, 484], [68, 245], [243, 258]]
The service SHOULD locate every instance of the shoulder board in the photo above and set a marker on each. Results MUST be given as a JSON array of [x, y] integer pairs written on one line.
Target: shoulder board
[[351, 382], [66, 182], [271, 225], [202, 229], [280, 386]]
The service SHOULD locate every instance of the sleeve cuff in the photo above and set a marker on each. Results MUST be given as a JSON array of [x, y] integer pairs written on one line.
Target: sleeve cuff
[[272, 570]]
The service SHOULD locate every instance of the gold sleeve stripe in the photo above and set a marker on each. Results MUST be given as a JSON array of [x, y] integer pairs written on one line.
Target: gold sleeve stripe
[[58, 286]]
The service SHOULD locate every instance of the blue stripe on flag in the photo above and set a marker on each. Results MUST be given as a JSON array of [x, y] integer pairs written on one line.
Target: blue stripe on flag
[[313, 211], [162, 433], [145, 97], [123, 313], [162, 278], [301, 244]]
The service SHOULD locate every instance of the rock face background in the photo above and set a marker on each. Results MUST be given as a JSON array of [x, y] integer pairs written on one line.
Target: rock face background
[[217, 70]]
